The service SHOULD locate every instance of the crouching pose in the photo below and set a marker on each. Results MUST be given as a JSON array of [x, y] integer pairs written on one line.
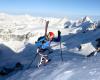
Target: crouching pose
[[43, 48], [43, 45]]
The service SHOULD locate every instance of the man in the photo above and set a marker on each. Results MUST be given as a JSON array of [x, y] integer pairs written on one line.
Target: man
[[43, 47]]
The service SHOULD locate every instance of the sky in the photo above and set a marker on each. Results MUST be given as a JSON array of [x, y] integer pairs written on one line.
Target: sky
[[51, 7]]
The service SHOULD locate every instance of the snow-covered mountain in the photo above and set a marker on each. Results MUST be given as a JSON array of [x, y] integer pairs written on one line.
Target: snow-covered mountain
[[86, 18], [19, 33], [85, 23], [27, 20], [18, 27]]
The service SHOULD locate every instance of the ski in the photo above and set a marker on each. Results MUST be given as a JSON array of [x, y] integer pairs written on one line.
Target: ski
[[44, 64], [46, 27], [61, 51], [92, 54]]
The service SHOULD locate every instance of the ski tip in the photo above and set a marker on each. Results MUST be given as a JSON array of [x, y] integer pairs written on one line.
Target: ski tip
[[92, 54]]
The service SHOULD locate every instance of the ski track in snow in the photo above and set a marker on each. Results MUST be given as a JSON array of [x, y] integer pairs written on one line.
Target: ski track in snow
[[74, 66]]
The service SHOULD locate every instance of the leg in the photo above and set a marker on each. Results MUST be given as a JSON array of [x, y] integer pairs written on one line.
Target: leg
[[40, 62], [43, 59]]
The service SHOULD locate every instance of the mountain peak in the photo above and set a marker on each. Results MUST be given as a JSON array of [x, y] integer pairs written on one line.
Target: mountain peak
[[87, 18]]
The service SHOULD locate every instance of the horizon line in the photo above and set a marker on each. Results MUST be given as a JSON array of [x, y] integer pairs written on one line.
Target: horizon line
[[96, 17]]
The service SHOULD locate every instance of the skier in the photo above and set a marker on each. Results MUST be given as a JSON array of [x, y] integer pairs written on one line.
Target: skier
[[43, 45], [44, 48]]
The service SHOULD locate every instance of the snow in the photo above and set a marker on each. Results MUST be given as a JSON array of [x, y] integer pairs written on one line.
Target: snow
[[75, 65]]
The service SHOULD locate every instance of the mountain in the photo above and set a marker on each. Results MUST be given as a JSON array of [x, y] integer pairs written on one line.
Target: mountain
[[84, 24], [14, 47], [87, 19]]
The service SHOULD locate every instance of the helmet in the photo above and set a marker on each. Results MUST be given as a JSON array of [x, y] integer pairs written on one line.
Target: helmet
[[50, 35]]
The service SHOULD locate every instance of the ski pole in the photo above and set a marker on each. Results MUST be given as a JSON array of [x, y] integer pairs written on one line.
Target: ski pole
[[61, 51], [32, 61]]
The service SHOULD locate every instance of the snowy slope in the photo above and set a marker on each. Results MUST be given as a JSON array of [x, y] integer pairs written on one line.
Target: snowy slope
[[75, 65]]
